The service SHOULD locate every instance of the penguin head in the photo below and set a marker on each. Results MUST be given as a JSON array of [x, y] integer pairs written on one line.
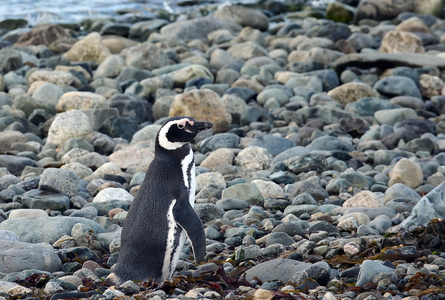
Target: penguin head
[[178, 131]]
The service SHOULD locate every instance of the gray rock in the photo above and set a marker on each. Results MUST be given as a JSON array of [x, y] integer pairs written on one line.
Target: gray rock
[[232, 203], [367, 106], [221, 140], [298, 210], [22, 275], [38, 199], [244, 16], [392, 116], [397, 86], [374, 212], [364, 230], [102, 143], [347, 180], [19, 256], [279, 238], [279, 269], [73, 143], [381, 224], [209, 211], [289, 153], [47, 94], [45, 230], [72, 123], [142, 30], [132, 106], [274, 145], [211, 233], [209, 191], [10, 59], [384, 157], [88, 212], [316, 226], [327, 113], [15, 164], [320, 271], [388, 60], [290, 228], [369, 269], [400, 190], [247, 252], [104, 207], [316, 191], [110, 67], [254, 158], [307, 162], [196, 28], [60, 181], [145, 55], [329, 143], [6, 235], [431, 206], [248, 192]]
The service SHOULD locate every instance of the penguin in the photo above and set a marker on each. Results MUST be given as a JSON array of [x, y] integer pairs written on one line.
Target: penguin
[[161, 214]]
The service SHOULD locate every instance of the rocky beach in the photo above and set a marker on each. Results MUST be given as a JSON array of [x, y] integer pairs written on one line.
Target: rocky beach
[[322, 177]]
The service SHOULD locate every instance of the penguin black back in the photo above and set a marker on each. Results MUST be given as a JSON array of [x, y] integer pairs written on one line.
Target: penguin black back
[[162, 214]]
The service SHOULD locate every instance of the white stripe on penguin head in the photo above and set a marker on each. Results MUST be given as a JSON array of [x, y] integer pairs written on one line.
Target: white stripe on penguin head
[[163, 140]]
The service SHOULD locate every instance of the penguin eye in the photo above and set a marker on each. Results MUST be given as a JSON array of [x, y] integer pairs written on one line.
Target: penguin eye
[[181, 126]]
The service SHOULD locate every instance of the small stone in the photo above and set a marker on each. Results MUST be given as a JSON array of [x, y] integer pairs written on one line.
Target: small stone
[[109, 194], [73, 123], [248, 192], [90, 48], [254, 158], [59, 181], [406, 172]]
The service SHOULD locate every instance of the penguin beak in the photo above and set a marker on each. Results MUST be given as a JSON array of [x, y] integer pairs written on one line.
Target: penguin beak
[[198, 126]]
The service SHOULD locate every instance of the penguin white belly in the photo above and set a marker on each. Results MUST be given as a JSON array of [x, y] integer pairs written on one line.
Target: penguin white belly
[[173, 246]]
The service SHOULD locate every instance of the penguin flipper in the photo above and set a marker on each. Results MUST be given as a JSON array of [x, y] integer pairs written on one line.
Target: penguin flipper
[[187, 218]]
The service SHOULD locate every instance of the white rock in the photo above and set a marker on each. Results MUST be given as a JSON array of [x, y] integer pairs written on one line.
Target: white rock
[[113, 194], [73, 123]]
